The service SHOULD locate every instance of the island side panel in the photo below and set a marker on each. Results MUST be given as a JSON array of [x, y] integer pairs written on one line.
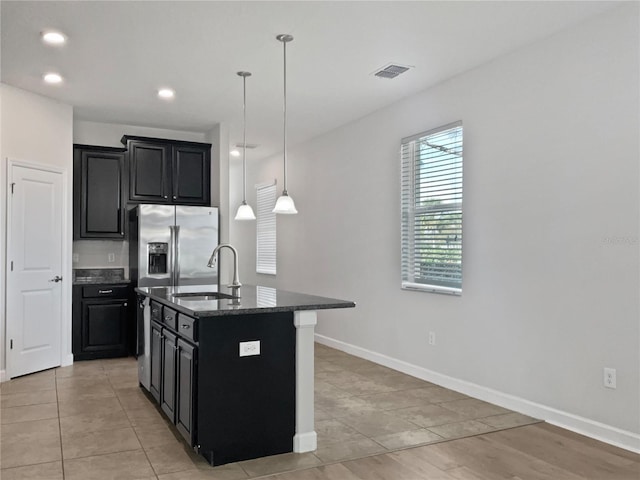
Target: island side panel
[[246, 405], [305, 439]]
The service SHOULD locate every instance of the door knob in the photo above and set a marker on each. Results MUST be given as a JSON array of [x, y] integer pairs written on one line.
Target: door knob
[[56, 279]]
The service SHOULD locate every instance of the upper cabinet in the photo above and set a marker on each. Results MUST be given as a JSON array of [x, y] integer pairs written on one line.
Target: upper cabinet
[[99, 183], [167, 171], [149, 172]]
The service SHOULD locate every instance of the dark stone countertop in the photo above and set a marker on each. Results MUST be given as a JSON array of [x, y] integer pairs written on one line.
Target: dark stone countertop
[[100, 281], [253, 299]]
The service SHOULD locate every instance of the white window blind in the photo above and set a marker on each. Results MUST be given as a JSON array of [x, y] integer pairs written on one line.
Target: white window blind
[[432, 210], [266, 229]]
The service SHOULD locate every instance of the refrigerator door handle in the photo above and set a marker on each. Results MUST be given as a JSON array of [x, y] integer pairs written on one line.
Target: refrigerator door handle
[[172, 256], [176, 256]]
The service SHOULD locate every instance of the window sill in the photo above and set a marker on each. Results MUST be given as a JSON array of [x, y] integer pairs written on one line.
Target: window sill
[[420, 287]]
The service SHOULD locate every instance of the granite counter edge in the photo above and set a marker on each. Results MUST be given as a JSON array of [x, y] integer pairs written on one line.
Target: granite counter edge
[[245, 311]]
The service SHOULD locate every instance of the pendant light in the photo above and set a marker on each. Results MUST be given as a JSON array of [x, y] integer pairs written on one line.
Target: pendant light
[[245, 212], [285, 203]]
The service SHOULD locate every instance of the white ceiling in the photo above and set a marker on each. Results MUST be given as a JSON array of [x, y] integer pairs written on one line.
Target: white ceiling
[[119, 53]]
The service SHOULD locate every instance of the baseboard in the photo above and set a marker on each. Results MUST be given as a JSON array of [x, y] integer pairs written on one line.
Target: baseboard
[[3, 376], [584, 426], [67, 360]]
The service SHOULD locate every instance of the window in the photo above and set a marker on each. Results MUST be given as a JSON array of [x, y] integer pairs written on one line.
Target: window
[[266, 229], [432, 210]]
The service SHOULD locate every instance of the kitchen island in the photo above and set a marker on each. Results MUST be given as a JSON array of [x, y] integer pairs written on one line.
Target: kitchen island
[[232, 368]]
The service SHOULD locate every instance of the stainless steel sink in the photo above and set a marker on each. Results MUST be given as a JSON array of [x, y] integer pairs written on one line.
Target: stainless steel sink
[[200, 296]]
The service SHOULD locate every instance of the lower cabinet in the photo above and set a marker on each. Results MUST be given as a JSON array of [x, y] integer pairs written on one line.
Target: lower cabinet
[[100, 322], [168, 396], [173, 377], [185, 392], [228, 407], [156, 361]]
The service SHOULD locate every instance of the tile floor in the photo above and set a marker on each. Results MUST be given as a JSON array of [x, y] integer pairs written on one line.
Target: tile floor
[[91, 421]]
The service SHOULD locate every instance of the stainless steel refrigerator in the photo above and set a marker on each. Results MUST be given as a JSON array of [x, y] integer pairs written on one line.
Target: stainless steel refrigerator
[[169, 245]]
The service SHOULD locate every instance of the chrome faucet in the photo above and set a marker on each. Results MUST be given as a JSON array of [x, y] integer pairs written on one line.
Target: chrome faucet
[[212, 263]]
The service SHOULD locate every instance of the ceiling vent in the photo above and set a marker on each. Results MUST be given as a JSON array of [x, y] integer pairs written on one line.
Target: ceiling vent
[[391, 71], [250, 146]]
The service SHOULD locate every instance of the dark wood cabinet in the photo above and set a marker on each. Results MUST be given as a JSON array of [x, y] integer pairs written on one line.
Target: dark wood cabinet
[[156, 361], [100, 321], [191, 174], [149, 172], [168, 171], [107, 181], [105, 326], [173, 372], [168, 391], [99, 199], [227, 407], [185, 390]]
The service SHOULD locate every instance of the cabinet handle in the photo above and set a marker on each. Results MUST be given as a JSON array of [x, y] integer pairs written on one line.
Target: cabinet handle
[[125, 304], [166, 196], [185, 326], [176, 347], [174, 197], [103, 292], [168, 318]]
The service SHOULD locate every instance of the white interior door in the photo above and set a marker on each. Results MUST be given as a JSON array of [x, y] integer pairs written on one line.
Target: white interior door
[[34, 266]]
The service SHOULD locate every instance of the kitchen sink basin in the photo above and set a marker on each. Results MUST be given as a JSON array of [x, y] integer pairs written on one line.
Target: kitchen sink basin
[[200, 296]]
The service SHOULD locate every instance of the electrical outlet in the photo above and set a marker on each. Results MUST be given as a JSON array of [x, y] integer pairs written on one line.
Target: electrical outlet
[[609, 378], [248, 349], [75, 257], [111, 257], [432, 338]]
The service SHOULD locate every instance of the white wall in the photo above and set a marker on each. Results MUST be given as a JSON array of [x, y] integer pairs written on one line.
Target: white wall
[[551, 280], [94, 253], [38, 130], [219, 139]]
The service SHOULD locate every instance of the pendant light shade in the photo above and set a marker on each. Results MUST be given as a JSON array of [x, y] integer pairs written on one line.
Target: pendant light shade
[[245, 212], [285, 204]]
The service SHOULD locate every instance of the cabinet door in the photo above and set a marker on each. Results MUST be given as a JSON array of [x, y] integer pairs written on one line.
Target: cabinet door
[[149, 172], [98, 210], [156, 361], [104, 328], [185, 391], [168, 391], [191, 175]]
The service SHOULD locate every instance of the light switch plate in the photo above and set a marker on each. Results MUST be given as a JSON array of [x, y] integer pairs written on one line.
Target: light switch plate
[[248, 349]]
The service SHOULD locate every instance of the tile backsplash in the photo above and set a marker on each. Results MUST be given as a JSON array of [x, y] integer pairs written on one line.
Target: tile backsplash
[[101, 254], [93, 275]]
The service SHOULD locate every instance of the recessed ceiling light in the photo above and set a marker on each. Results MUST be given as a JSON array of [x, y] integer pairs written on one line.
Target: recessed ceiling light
[[234, 153], [53, 37], [52, 78], [166, 93]]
